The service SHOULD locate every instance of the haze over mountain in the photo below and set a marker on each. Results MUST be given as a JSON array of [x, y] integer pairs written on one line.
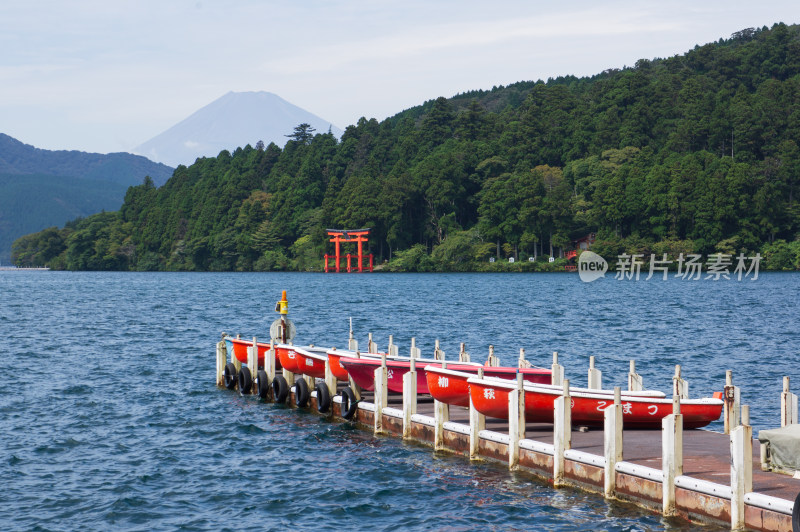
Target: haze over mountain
[[234, 120], [42, 188]]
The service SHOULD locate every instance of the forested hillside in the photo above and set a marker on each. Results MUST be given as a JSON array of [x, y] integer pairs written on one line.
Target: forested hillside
[[697, 152], [40, 188]]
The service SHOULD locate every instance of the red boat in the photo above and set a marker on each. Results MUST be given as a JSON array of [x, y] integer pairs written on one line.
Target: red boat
[[639, 409], [302, 359], [310, 361], [363, 372], [334, 359], [239, 347]]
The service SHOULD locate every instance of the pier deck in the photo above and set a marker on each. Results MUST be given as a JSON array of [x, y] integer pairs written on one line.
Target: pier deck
[[700, 475]]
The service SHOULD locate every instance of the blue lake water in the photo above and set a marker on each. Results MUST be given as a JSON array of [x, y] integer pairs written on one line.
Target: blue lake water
[[110, 418]]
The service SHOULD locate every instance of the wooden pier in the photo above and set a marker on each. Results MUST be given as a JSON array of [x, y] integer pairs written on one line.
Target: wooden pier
[[699, 475]]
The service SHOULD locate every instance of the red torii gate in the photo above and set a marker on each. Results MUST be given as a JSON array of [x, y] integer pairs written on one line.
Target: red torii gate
[[348, 235]]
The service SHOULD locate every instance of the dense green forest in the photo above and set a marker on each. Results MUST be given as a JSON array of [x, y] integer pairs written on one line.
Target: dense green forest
[[693, 153]]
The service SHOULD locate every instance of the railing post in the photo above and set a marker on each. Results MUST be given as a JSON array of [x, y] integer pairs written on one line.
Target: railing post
[[522, 363], [222, 357], [635, 381], [330, 381], [392, 349], [415, 353], [477, 422], [788, 405], [235, 360], [741, 468], [269, 361], [562, 432], [612, 442], [381, 390], [516, 422], [372, 347], [353, 386], [680, 387], [672, 455], [441, 413], [252, 363], [352, 343], [732, 402], [557, 374], [463, 356], [492, 360], [595, 380], [438, 354], [409, 398]]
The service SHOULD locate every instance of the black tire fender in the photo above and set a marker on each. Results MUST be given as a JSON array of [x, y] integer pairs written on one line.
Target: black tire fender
[[796, 514], [263, 384], [349, 403], [323, 397], [231, 378], [245, 381], [280, 388], [301, 393]]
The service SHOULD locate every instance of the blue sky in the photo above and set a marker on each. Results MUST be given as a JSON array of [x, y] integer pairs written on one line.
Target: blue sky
[[106, 76]]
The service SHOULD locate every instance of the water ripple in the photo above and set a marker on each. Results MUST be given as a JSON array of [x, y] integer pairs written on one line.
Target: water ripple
[[109, 418]]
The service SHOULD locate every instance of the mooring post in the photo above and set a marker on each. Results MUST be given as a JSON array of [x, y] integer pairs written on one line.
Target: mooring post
[[441, 414], [269, 361], [463, 356], [392, 349], [222, 357], [557, 373], [372, 347], [438, 354], [415, 353], [671, 454], [612, 442], [522, 363], [788, 405], [235, 361], [732, 401], [492, 361], [562, 432], [353, 386], [477, 422], [289, 376], [516, 422], [252, 363], [595, 381], [352, 343], [741, 468], [680, 387], [381, 394], [635, 382], [409, 398], [330, 382]]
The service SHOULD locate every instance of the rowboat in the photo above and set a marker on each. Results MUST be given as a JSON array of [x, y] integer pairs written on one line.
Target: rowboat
[[643, 410], [452, 387], [310, 361], [238, 347], [362, 370], [306, 360]]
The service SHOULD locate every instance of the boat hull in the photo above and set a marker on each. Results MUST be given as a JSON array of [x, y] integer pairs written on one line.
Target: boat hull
[[362, 370], [238, 348], [491, 399], [310, 363]]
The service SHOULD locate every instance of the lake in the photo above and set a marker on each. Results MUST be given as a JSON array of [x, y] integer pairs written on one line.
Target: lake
[[111, 418]]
